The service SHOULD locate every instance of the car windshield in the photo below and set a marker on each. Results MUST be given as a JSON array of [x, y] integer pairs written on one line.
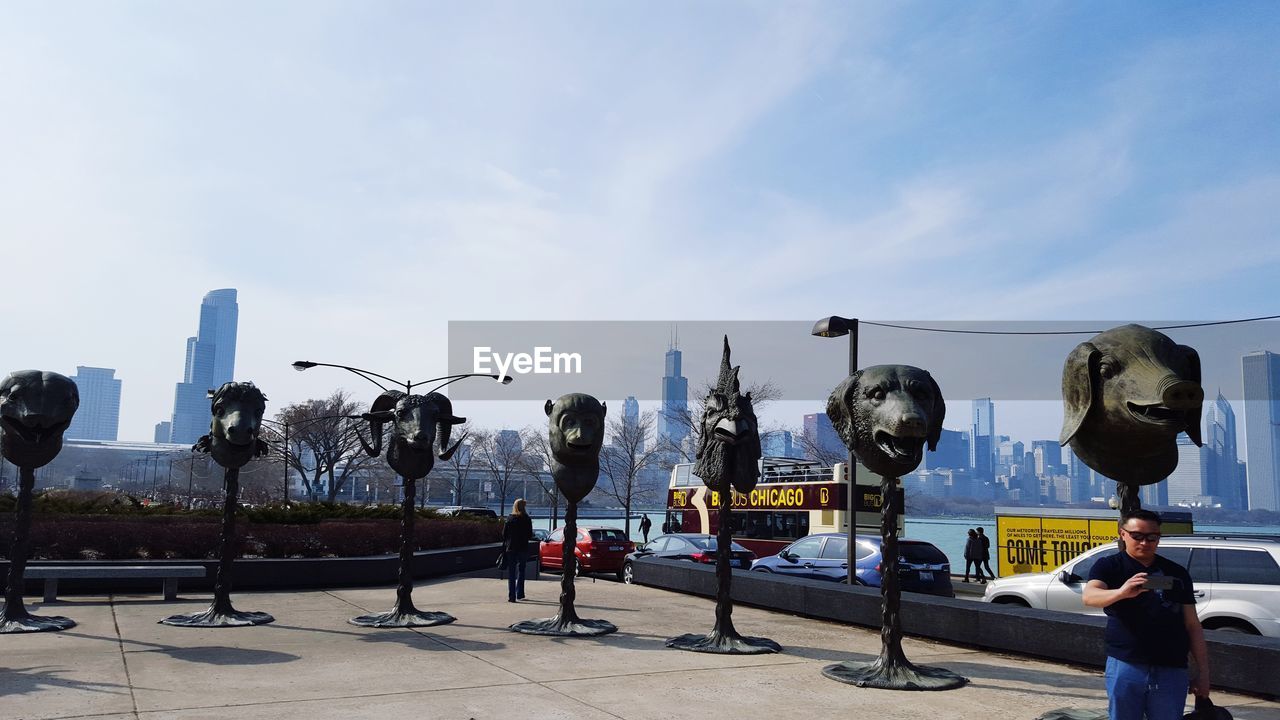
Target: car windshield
[[709, 543], [921, 553], [608, 535]]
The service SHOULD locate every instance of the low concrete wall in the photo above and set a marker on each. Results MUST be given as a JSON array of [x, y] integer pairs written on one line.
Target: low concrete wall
[[1243, 663], [295, 573]]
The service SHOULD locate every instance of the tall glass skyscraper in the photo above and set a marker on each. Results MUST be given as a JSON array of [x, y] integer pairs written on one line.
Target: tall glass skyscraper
[[1262, 428], [675, 401], [99, 415], [1225, 481], [982, 444], [211, 361]]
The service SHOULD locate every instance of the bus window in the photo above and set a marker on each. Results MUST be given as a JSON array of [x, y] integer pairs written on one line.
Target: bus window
[[684, 478]]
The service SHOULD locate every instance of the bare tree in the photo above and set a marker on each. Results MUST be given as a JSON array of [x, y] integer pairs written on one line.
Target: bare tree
[[536, 464], [816, 451], [630, 450], [499, 457], [459, 465], [323, 444]]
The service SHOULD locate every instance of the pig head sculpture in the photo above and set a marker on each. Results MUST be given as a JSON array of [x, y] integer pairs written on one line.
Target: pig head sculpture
[[1127, 393], [576, 431], [36, 407], [420, 429], [886, 414]]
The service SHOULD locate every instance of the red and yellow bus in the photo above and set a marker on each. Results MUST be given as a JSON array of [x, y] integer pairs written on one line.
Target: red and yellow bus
[[793, 499]]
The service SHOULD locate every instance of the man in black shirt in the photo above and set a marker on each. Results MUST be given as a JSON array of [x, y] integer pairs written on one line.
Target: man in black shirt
[[1151, 625]]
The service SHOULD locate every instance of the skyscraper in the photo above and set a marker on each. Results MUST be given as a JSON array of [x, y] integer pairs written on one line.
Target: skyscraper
[[1225, 481], [631, 414], [164, 430], [1188, 483], [952, 452], [672, 421], [778, 443], [821, 437], [99, 415], [982, 447], [210, 362], [1048, 456], [1262, 428]]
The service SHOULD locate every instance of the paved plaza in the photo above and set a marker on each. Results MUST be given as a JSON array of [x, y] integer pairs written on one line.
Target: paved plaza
[[118, 663]]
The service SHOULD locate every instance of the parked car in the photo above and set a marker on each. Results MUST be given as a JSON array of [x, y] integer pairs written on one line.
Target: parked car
[[1237, 582], [922, 567], [599, 550], [687, 546], [457, 511]]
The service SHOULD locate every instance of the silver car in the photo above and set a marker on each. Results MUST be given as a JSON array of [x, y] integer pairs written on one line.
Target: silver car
[[1237, 582]]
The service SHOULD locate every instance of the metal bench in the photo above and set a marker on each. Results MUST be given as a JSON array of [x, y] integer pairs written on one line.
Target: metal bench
[[51, 574]]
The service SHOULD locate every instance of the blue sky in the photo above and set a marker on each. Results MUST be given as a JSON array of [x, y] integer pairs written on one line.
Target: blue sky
[[365, 172]]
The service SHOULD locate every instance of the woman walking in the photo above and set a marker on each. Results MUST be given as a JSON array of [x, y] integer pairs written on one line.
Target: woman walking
[[517, 533], [973, 557]]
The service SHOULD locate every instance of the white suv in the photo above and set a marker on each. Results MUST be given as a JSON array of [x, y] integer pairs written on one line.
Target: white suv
[[1237, 582]]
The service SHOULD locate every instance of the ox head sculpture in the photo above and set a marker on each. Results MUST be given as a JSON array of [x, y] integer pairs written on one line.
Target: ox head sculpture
[[420, 430], [729, 441], [1127, 393], [36, 407], [236, 422], [886, 414], [575, 425]]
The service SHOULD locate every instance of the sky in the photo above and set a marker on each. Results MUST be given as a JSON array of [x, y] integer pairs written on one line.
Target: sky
[[365, 173]]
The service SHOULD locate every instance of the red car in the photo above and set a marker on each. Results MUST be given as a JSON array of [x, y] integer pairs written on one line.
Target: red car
[[599, 550]]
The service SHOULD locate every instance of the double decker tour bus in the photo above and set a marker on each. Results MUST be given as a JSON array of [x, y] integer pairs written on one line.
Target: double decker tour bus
[[792, 499]]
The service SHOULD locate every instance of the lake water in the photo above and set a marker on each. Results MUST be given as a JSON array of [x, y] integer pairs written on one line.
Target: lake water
[[948, 534]]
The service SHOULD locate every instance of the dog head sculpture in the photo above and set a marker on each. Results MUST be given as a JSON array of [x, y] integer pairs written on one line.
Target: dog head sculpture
[[729, 441], [237, 409], [36, 407], [575, 424], [1126, 394], [886, 414], [420, 430]]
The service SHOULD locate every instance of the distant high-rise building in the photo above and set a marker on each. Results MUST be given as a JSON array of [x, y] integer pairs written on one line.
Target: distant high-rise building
[[779, 443], [1189, 481], [164, 430], [99, 415], [210, 362], [1048, 456], [1262, 428], [952, 452], [510, 442], [982, 447], [673, 419], [631, 410], [1225, 481], [822, 439]]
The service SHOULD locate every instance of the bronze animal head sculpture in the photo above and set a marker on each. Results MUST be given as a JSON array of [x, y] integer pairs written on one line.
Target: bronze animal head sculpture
[[729, 442], [36, 407], [420, 430], [886, 414], [237, 409], [576, 431], [1127, 393]]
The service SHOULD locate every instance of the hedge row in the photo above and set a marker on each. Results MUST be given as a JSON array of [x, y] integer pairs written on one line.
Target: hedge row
[[67, 503], [192, 538]]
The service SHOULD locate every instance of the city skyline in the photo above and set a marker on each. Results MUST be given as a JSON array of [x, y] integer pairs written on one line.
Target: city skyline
[[210, 363], [913, 162]]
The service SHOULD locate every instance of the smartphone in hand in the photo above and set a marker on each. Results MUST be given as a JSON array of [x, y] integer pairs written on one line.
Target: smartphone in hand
[[1158, 582]]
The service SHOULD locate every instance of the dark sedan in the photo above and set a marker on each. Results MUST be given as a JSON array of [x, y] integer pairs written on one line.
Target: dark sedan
[[922, 567], [687, 546]]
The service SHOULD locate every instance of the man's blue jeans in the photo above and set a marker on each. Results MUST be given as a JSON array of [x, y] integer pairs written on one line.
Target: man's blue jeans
[[515, 574], [1137, 691]]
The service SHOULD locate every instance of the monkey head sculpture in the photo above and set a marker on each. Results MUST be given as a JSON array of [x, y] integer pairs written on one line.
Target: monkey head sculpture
[[729, 441], [576, 431], [886, 414], [420, 430], [233, 441], [1126, 394], [36, 407]]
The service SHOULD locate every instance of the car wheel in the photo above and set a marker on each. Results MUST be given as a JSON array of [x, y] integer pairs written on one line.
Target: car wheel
[[1239, 627], [762, 569], [1006, 600]]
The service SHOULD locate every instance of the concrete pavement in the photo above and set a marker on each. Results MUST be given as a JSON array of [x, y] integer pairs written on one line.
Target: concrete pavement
[[118, 663]]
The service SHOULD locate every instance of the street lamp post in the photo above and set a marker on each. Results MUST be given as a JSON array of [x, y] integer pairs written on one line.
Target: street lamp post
[[836, 326]]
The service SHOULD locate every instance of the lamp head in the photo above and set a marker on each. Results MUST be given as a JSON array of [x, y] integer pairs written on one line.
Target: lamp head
[[303, 365], [834, 326]]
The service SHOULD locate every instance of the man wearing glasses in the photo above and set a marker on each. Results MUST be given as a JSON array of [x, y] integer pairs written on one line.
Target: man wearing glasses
[[1151, 625]]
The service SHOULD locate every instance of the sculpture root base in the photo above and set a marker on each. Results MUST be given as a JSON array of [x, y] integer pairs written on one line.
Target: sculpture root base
[[724, 644], [403, 619], [212, 618], [26, 622], [894, 676], [565, 628]]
